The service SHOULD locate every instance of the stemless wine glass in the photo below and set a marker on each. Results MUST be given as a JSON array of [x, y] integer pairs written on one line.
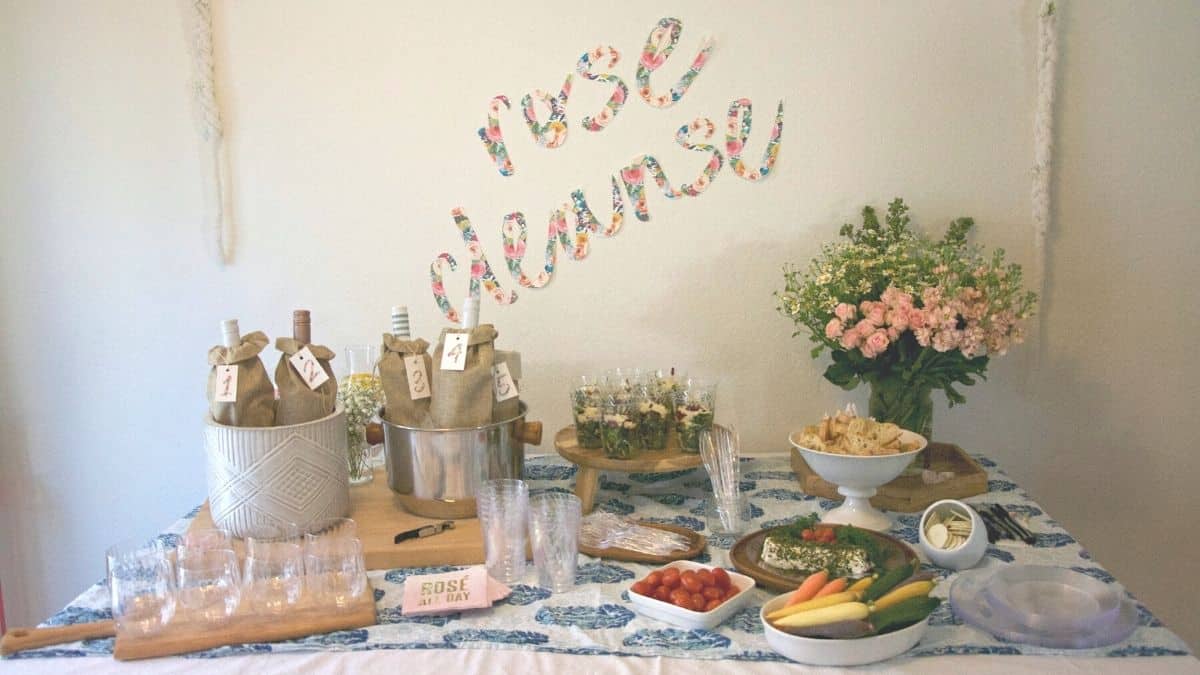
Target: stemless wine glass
[[209, 583], [330, 528], [274, 578], [142, 583], [336, 572], [205, 539]]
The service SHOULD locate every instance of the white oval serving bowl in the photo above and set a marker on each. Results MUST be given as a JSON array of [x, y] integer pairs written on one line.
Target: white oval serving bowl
[[830, 652], [857, 477], [686, 618], [964, 556]]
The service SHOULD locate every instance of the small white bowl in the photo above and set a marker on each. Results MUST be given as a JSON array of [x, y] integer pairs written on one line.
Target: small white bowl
[[686, 618], [967, 554], [857, 477], [829, 652]]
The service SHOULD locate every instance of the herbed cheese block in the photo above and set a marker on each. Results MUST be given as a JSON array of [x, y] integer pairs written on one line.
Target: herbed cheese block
[[842, 560]]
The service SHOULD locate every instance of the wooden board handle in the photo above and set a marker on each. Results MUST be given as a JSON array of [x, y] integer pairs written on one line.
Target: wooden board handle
[[19, 639], [374, 433], [531, 433]]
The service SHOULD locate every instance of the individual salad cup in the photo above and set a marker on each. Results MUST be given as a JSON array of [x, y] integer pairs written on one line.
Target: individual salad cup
[[654, 421], [619, 430], [587, 408], [694, 409], [667, 386]]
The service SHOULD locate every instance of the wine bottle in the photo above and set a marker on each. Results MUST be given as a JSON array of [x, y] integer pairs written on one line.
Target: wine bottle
[[302, 326]]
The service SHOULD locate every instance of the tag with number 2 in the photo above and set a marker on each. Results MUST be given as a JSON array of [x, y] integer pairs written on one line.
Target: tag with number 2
[[306, 364]]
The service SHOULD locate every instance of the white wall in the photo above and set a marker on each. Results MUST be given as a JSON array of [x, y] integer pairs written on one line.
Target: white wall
[[353, 135]]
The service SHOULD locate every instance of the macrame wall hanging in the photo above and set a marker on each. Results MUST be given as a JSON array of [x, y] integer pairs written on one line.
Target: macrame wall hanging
[[1043, 130], [218, 187]]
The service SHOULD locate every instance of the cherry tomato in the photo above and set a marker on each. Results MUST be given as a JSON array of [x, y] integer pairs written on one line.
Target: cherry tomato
[[680, 595], [691, 582], [721, 578], [662, 593], [732, 591], [711, 593], [698, 602], [642, 588], [706, 577], [712, 604], [654, 578], [827, 536], [670, 577]]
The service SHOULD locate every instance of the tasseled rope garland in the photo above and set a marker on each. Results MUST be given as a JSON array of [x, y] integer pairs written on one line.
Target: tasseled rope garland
[[198, 17], [1043, 130]]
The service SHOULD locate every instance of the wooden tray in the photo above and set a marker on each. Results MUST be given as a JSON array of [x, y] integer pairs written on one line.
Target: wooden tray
[[746, 558], [380, 518], [698, 542], [909, 493], [592, 462]]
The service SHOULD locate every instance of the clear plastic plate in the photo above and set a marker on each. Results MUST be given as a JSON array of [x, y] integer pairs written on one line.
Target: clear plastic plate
[[1051, 599]]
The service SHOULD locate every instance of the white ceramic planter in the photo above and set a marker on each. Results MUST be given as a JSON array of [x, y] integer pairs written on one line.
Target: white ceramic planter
[[267, 475]]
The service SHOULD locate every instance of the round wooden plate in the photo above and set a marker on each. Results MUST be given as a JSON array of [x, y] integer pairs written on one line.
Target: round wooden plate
[[746, 558], [695, 539]]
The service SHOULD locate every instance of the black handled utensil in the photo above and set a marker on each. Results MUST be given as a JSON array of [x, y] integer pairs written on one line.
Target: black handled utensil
[[424, 531]]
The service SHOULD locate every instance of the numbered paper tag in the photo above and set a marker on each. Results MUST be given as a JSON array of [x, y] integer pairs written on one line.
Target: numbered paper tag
[[503, 383], [454, 351], [226, 384], [306, 364], [418, 379]]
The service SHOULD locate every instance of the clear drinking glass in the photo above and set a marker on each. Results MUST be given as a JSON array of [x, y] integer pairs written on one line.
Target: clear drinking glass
[[142, 583], [503, 508], [205, 539], [695, 406], [336, 574], [274, 577], [330, 528], [361, 395], [554, 520], [210, 584]]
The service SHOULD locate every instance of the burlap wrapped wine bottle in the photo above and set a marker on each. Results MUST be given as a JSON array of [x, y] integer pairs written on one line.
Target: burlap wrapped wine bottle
[[399, 405], [254, 404], [463, 398], [510, 407], [298, 402]]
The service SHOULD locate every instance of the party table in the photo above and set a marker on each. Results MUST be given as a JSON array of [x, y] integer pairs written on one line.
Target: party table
[[595, 627]]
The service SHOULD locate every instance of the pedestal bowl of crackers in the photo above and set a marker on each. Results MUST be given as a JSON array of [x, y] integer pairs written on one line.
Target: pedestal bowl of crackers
[[858, 454]]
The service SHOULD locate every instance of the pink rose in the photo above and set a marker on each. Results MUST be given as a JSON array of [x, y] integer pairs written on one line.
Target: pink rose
[[699, 62], [876, 315], [733, 147], [476, 270], [850, 339], [923, 336], [651, 60], [438, 289], [916, 319], [493, 134], [714, 164], [632, 174], [864, 329], [619, 95], [876, 344], [844, 311], [834, 328]]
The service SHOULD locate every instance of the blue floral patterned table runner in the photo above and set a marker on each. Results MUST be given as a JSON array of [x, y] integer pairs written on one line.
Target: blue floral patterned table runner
[[596, 617]]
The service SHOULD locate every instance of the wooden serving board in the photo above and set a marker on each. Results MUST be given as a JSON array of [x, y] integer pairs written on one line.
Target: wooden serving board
[[380, 518], [909, 493], [697, 540], [189, 634], [592, 462]]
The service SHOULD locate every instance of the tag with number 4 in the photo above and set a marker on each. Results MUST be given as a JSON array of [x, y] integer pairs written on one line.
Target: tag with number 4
[[226, 391], [454, 351], [306, 364]]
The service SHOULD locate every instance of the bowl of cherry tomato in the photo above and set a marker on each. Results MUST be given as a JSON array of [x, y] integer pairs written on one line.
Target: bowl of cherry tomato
[[690, 595]]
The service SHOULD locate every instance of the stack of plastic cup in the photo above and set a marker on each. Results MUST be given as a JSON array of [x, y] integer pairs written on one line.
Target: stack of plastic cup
[[554, 520], [503, 508]]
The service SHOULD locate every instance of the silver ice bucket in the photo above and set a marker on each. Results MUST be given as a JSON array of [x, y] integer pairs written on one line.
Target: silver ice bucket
[[436, 472]]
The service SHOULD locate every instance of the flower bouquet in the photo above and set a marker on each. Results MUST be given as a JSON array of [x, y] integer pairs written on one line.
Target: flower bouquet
[[907, 314]]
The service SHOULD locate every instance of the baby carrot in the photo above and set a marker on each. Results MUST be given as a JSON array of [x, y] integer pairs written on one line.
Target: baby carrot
[[835, 586], [809, 587]]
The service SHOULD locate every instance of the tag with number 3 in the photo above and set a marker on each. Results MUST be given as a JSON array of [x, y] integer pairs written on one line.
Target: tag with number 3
[[306, 364], [454, 351], [418, 379]]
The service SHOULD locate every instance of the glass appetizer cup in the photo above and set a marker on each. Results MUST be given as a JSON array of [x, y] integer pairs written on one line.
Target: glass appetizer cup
[[586, 408], [694, 409], [141, 580], [653, 420], [668, 384], [619, 430]]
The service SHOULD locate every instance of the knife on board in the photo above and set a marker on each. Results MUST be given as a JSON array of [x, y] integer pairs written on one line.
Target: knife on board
[[424, 531]]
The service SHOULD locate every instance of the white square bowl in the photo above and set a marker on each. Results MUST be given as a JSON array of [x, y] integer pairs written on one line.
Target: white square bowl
[[686, 618]]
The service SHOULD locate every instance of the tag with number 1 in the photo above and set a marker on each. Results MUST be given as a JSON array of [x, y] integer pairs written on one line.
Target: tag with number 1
[[454, 351], [226, 384]]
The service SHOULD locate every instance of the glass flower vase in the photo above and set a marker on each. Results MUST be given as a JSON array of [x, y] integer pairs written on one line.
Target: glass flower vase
[[896, 401]]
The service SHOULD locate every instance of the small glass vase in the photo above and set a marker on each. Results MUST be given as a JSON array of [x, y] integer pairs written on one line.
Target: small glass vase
[[361, 394]]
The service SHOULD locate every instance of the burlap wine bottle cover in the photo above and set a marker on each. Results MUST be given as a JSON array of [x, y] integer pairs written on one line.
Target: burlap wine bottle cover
[[298, 402], [463, 398], [400, 407], [510, 407], [254, 405]]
